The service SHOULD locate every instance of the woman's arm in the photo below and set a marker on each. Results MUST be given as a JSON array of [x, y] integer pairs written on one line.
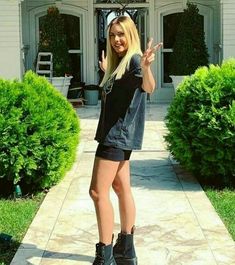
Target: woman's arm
[[148, 57], [148, 83]]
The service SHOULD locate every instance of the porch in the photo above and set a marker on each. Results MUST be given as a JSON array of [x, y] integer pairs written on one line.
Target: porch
[[87, 22]]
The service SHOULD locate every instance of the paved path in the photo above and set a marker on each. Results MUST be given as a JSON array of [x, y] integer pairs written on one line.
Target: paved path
[[176, 224]]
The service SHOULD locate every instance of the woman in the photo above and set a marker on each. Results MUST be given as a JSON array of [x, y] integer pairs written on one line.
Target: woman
[[120, 129]]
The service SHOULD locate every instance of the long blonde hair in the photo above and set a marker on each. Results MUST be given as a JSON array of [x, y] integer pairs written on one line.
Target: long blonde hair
[[114, 67]]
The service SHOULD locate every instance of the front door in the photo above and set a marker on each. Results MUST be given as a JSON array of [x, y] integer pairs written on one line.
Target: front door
[[73, 32], [103, 18]]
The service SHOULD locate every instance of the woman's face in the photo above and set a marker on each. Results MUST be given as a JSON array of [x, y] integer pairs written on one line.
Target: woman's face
[[118, 40]]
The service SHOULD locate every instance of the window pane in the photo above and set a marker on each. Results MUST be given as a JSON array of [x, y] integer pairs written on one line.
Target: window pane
[[170, 27], [119, 1], [142, 32], [73, 36], [76, 66], [72, 30], [113, 14], [166, 77]]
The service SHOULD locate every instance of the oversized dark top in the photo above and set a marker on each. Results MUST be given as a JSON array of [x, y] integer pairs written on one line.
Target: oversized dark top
[[121, 122]]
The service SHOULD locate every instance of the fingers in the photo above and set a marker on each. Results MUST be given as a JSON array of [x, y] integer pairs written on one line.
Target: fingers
[[151, 49], [149, 54], [101, 66], [157, 47], [103, 62], [102, 55], [150, 59], [149, 44]]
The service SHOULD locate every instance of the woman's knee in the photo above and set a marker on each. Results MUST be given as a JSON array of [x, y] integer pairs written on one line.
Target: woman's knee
[[118, 187], [97, 195], [93, 194], [121, 188]]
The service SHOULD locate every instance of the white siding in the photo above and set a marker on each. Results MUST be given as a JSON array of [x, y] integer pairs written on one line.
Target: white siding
[[36, 3], [10, 47], [228, 28]]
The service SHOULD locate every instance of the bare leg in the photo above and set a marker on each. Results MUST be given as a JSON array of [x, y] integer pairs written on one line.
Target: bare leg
[[104, 172], [121, 186]]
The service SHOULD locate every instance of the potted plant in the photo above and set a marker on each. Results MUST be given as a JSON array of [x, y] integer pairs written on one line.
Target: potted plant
[[189, 49], [53, 39]]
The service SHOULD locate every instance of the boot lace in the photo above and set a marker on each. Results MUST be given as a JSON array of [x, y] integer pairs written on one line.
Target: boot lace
[[118, 242], [99, 260]]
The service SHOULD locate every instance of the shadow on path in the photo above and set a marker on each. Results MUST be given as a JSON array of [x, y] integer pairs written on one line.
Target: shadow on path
[[47, 254], [160, 174]]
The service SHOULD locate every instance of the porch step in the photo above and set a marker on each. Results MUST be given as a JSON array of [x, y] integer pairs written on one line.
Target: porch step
[[45, 64]]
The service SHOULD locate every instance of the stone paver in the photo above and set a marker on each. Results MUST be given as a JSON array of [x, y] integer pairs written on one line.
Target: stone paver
[[176, 224]]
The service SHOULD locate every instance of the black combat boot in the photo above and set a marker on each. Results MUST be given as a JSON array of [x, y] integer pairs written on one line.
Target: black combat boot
[[124, 250], [104, 255]]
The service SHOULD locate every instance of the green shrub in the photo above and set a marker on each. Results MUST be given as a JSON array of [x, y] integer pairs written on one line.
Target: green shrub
[[39, 132], [201, 123]]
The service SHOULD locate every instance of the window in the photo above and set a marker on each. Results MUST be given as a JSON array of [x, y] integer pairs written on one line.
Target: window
[[170, 27], [119, 1], [72, 29], [73, 32], [112, 15]]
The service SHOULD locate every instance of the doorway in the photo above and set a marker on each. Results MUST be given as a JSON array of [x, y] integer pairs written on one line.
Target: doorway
[[170, 25], [73, 32], [103, 18]]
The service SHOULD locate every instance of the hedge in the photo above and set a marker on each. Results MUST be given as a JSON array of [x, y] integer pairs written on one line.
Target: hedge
[[201, 123], [39, 132]]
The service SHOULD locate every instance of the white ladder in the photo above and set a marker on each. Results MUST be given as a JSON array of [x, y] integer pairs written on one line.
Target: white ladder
[[45, 64]]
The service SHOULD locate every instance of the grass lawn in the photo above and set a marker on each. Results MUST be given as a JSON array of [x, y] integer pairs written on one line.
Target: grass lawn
[[15, 219], [224, 204]]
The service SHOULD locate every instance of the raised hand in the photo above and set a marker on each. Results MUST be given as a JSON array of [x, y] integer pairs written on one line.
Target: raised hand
[[103, 62], [149, 54]]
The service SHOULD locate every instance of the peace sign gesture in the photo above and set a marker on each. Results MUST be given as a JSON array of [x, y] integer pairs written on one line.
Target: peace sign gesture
[[149, 54], [103, 62]]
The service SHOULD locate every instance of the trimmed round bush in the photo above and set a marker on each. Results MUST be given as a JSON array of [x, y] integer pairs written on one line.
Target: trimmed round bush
[[201, 123], [39, 132]]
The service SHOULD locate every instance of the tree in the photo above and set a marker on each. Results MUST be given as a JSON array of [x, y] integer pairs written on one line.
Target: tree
[[189, 50]]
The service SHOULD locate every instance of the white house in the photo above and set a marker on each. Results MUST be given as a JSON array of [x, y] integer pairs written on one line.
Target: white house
[[20, 25]]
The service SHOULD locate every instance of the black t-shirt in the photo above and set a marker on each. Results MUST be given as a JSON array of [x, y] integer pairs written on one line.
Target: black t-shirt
[[118, 97]]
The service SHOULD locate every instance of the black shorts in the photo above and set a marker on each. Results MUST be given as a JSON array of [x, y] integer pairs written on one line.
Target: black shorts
[[112, 153]]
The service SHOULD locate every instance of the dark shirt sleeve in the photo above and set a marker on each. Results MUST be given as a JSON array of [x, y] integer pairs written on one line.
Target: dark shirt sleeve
[[135, 70], [135, 65]]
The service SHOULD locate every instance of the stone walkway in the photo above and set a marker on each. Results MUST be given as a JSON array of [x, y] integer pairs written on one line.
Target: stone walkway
[[176, 224]]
